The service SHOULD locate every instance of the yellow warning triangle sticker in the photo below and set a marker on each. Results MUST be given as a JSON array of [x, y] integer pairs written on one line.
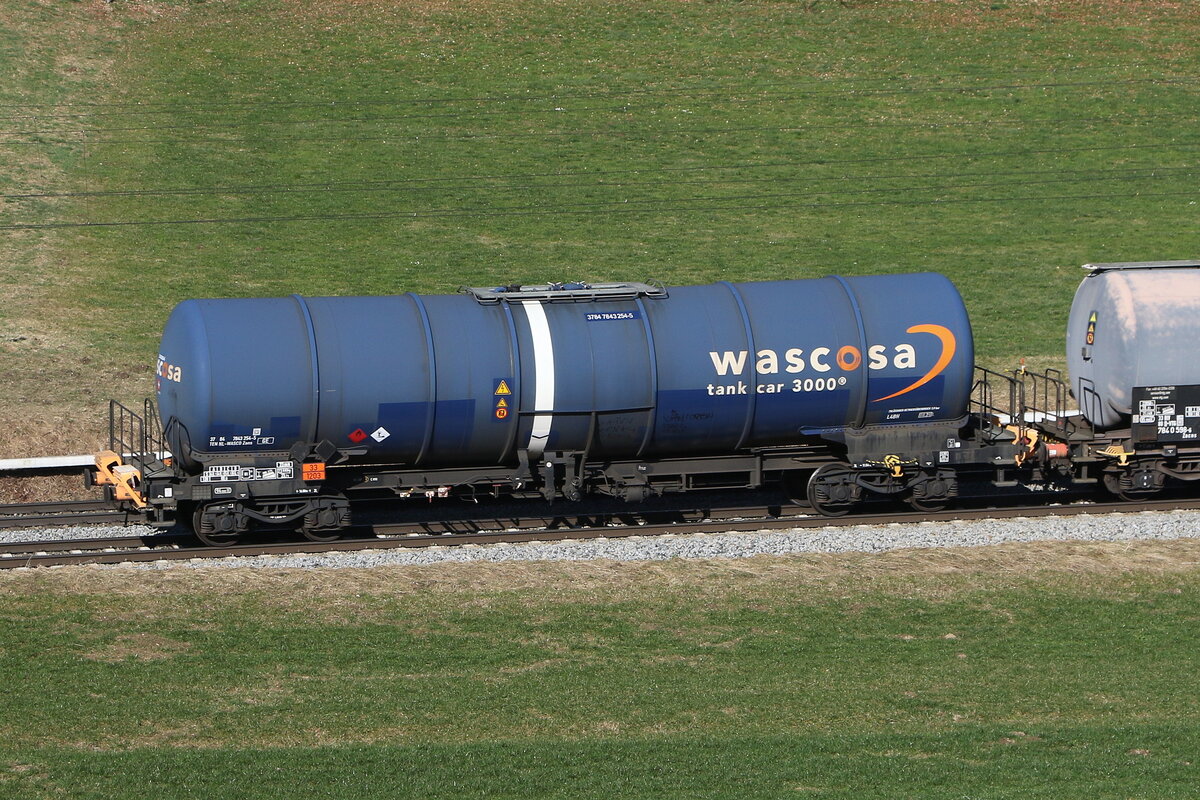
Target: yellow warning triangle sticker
[[503, 388], [502, 403]]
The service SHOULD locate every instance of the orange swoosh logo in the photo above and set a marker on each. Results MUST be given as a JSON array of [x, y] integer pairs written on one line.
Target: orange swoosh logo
[[948, 347]]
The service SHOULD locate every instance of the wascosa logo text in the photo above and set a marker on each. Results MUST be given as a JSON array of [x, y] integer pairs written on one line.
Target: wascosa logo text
[[168, 372], [847, 358]]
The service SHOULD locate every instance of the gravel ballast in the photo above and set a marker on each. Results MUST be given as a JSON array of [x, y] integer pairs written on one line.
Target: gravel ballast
[[844, 539], [70, 532]]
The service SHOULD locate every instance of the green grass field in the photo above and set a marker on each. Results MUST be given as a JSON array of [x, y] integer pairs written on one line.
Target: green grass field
[[153, 151], [1037, 671]]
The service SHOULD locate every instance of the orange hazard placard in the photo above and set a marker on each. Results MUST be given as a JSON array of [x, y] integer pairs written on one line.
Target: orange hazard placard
[[314, 472]]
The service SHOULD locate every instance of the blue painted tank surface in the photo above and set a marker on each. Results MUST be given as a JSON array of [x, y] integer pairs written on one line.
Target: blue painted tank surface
[[452, 380]]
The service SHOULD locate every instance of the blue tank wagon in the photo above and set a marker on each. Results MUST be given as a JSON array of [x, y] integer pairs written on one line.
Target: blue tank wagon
[[280, 410]]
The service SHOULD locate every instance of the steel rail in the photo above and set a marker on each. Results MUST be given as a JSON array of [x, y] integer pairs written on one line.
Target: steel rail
[[35, 546], [530, 529], [59, 505], [70, 512]]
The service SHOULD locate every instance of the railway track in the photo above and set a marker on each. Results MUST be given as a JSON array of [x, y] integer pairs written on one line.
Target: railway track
[[494, 530], [72, 512]]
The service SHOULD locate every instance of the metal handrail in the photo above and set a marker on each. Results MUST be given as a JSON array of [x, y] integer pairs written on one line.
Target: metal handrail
[[1044, 400], [983, 394], [137, 437]]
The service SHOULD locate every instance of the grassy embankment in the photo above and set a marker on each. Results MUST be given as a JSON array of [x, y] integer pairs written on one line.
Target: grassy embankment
[[1037, 671]]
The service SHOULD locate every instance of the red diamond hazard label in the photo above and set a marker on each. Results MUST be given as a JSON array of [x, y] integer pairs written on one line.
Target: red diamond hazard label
[[358, 435]]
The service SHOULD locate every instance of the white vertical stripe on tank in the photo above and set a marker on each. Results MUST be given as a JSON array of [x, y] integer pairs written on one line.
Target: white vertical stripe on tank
[[543, 375]]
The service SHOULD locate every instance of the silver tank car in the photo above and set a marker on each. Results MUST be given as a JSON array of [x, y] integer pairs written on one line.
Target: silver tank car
[[1134, 324]]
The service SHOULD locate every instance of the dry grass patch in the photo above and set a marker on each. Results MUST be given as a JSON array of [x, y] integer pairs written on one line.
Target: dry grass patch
[[138, 647], [26, 433], [353, 12], [356, 594], [45, 489], [974, 14], [198, 736]]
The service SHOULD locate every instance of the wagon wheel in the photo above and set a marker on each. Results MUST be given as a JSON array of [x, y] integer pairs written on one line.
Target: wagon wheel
[[928, 504], [323, 524], [1112, 483], [795, 486], [832, 491], [320, 536], [206, 529]]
